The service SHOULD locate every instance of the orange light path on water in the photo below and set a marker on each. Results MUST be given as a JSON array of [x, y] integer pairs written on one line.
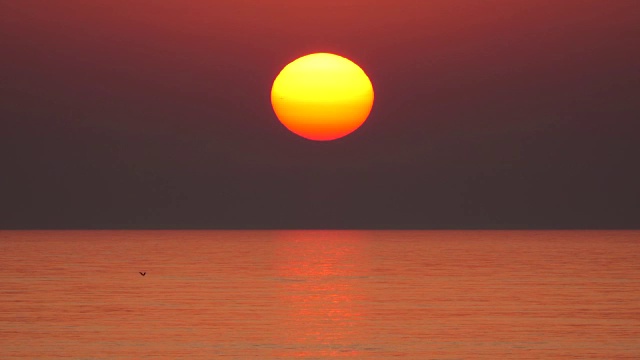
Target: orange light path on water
[[320, 291]]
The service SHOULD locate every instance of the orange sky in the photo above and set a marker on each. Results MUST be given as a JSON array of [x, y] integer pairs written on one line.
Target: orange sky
[[481, 107]]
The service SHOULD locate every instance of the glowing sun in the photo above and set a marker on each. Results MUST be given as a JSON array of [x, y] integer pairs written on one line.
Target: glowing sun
[[322, 96]]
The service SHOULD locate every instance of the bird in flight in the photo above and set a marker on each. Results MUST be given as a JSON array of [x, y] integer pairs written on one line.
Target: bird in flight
[[143, 273]]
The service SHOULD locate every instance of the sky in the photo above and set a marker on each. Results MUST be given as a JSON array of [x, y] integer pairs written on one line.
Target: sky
[[488, 114]]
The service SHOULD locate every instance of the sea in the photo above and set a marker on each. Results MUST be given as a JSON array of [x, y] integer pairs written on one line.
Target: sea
[[319, 294]]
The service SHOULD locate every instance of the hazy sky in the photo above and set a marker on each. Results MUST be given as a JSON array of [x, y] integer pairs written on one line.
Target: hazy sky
[[157, 114]]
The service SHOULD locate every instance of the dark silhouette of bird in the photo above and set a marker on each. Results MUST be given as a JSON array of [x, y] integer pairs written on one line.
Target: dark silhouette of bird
[[143, 273]]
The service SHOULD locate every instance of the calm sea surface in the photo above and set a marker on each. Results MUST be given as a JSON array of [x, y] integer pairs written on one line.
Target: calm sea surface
[[320, 294]]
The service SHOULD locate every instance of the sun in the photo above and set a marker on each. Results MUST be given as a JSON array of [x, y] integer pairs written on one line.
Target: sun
[[322, 96]]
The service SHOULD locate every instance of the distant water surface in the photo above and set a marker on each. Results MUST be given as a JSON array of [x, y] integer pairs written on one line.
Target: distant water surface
[[320, 294]]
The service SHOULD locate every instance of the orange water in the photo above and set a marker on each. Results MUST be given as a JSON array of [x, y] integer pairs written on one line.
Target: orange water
[[320, 294]]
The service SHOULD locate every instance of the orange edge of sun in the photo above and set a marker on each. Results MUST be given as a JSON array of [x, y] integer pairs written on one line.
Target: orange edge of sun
[[322, 96]]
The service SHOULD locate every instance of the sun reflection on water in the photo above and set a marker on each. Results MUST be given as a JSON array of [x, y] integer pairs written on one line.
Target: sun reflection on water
[[318, 276]]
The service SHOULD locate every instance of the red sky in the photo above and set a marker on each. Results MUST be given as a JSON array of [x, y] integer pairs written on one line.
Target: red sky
[[156, 114]]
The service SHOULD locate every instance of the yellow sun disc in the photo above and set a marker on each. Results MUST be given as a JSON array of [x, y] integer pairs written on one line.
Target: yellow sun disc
[[322, 96]]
